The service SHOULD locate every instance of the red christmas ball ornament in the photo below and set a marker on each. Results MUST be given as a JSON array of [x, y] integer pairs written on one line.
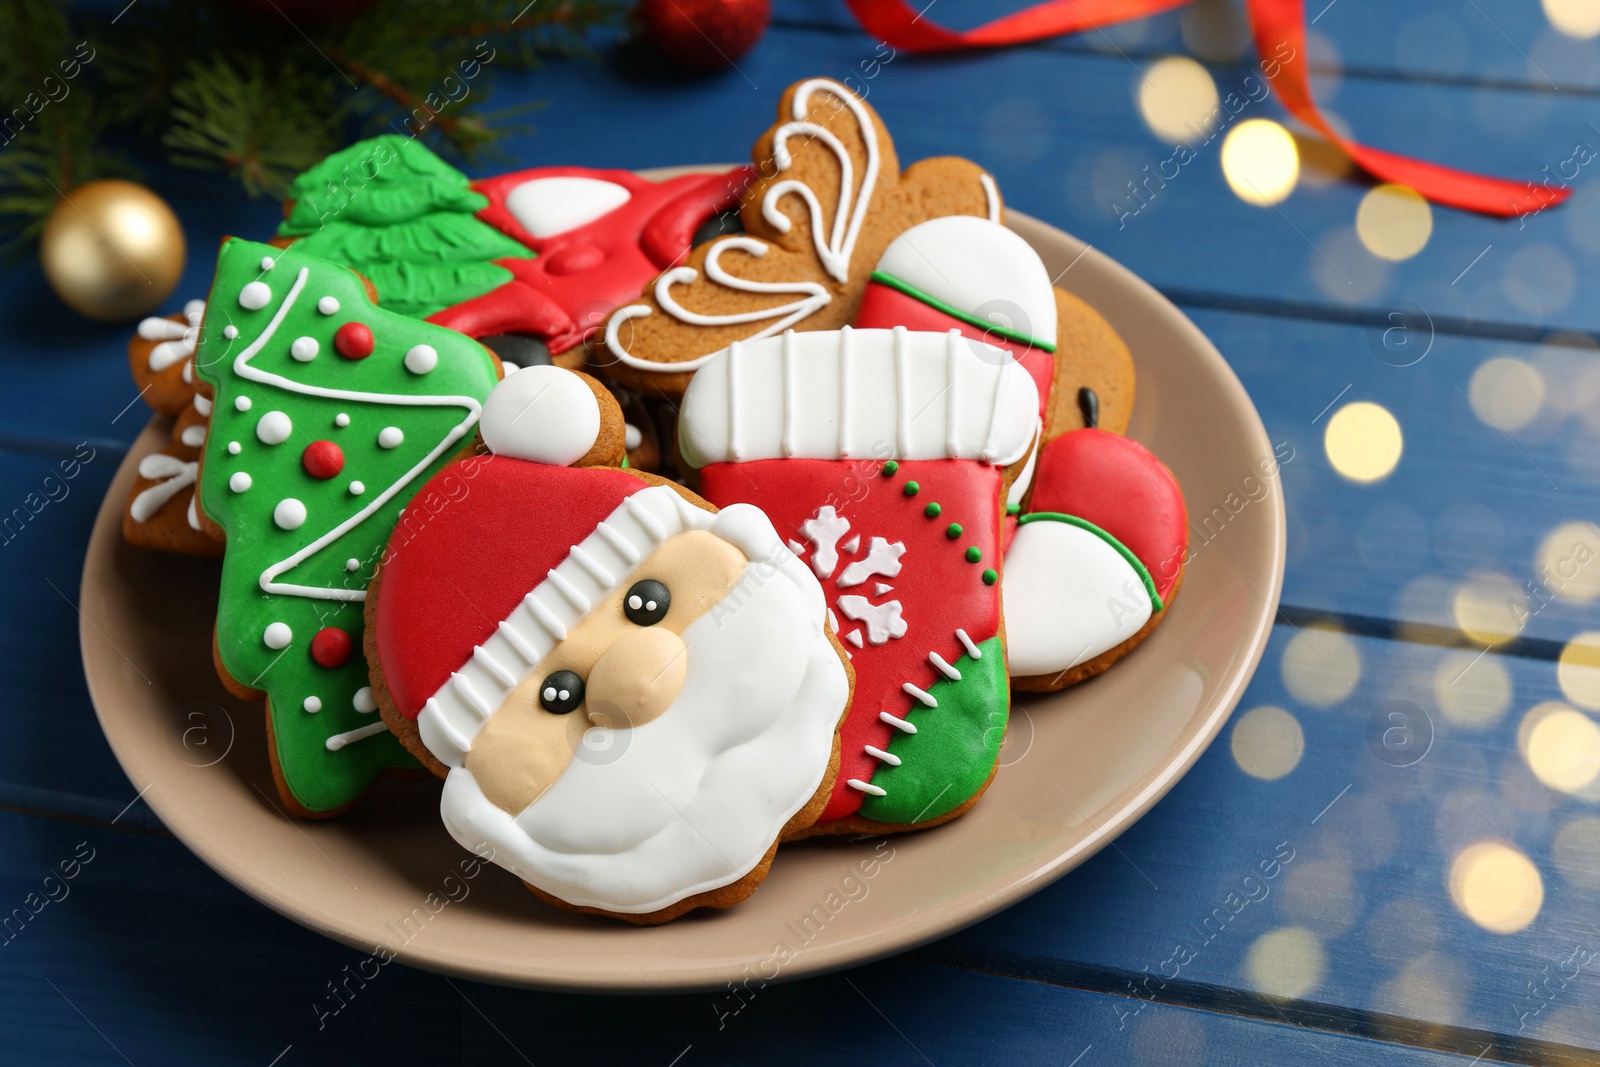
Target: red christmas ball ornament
[[322, 459], [703, 34], [331, 647], [353, 340]]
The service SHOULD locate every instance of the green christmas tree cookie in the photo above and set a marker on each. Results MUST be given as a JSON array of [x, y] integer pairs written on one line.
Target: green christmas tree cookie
[[391, 209], [329, 414]]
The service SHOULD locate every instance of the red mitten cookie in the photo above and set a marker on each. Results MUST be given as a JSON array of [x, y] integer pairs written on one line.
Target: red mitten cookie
[[631, 695]]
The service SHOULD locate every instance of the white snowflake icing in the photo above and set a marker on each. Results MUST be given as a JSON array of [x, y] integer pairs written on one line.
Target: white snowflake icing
[[884, 622]]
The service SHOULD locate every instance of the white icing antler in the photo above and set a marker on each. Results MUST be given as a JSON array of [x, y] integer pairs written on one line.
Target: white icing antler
[[834, 248], [177, 339]]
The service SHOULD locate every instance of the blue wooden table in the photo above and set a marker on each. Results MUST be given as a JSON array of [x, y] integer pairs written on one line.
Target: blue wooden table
[[1417, 760]]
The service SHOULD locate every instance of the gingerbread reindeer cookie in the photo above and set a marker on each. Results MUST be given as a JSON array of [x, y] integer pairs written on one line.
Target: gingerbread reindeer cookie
[[631, 695], [829, 196]]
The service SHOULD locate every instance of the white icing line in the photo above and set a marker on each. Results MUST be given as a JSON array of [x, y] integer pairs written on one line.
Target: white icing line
[[441, 721], [844, 392], [888, 757], [902, 403], [897, 722], [171, 476], [492, 665], [338, 741], [867, 787], [546, 617], [471, 695], [921, 694], [622, 545], [242, 368], [972, 650], [945, 668], [570, 591], [592, 565], [952, 423], [992, 195], [518, 642], [642, 516]]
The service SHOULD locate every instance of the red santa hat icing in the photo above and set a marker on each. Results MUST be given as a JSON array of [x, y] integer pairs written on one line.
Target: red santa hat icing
[[461, 621], [845, 394]]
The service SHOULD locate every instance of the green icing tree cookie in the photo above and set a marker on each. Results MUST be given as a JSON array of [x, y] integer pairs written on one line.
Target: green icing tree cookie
[[329, 413], [404, 218]]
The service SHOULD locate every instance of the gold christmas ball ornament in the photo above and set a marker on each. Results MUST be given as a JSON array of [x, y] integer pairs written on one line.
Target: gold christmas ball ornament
[[112, 250]]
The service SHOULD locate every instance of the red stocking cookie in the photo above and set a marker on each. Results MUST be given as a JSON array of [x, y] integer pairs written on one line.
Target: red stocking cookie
[[631, 695], [883, 458]]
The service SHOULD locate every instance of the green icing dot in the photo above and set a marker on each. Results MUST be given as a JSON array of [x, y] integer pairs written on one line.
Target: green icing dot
[[910, 488], [953, 531], [974, 554], [889, 468], [932, 510], [991, 576], [1012, 509]]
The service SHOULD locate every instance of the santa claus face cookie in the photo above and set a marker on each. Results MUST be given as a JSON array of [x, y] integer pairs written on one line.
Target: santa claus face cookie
[[631, 696]]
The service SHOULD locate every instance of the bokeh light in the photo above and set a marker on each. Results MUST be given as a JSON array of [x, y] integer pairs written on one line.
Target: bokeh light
[[1261, 162], [1575, 18], [1496, 887], [1394, 222], [1578, 670], [1563, 749], [1287, 962], [1267, 742], [1490, 607], [1506, 393], [1363, 441], [1472, 691], [1178, 100], [1569, 562], [1321, 666]]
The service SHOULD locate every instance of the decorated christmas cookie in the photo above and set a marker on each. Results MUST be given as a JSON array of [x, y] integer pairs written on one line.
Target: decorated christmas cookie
[[328, 415], [1093, 564], [529, 262], [828, 198], [883, 457], [631, 695], [159, 358], [161, 512]]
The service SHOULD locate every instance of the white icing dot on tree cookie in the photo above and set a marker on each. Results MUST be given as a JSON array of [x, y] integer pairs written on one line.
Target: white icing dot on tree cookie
[[304, 349], [274, 428], [239, 482], [312, 704], [422, 359], [290, 514], [328, 305], [255, 296], [277, 635], [364, 701], [391, 437]]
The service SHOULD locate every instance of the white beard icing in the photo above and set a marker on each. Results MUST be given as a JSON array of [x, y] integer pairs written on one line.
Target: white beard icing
[[691, 801]]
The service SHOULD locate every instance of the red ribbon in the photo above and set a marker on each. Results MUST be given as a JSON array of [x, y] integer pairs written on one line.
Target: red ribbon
[[1276, 24]]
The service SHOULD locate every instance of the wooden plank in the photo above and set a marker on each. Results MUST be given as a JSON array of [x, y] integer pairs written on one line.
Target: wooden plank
[[1332, 881], [1488, 42], [145, 954], [1466, 500]]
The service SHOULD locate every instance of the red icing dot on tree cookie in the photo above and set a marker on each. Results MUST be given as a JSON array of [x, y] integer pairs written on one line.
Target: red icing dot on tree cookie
[[322, 459], [331, 647], [353, 340]]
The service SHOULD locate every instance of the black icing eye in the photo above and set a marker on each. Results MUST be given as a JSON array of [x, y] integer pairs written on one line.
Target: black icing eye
[[562, 693], [647, 602]]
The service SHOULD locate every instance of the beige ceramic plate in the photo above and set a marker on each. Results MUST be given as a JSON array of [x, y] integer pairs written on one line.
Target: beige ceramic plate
[[1079, 767]]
